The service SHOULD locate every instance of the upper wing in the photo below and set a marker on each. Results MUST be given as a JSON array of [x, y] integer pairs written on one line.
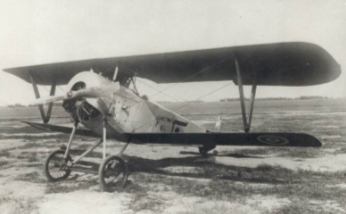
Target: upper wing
[[289, 64]]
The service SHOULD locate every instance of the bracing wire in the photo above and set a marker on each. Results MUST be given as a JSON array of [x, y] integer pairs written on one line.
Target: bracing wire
[[199, 97], [181, 100], [190, 77], [206, 95], [160, 92]]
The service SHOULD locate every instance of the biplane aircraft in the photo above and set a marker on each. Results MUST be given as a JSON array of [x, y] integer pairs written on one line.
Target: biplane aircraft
[[103, 99]]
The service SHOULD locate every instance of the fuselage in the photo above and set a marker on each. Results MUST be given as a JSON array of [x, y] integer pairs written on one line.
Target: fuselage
[[122, 109]]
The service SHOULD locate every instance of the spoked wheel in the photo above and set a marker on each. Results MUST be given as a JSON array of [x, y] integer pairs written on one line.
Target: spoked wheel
[[56, 167], [112, 173]]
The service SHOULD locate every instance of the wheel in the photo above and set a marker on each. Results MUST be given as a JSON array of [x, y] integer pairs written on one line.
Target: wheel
[[56, 168], [112, 173]]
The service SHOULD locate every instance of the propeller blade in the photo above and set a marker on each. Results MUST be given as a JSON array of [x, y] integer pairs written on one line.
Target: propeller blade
[[47, 100], [87, 93]]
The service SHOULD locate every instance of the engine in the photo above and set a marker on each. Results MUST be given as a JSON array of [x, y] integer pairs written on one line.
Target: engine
[[81, 108]]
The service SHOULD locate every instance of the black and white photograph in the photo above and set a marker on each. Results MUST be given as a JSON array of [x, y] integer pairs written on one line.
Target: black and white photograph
[[172, 107]]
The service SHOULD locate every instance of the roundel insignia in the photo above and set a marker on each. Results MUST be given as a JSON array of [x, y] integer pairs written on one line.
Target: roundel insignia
[[273, 140]]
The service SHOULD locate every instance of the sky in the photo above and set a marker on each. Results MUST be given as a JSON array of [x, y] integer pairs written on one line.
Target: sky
[[44, 31]]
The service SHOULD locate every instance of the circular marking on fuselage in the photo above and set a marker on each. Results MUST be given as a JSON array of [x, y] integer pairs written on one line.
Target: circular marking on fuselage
[[273, 140]]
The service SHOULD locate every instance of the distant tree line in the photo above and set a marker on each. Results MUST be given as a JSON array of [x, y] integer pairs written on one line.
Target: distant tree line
[[18, 105], [277, 98]]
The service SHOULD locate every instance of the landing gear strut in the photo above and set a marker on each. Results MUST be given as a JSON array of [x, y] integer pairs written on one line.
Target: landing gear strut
[[113, 170]]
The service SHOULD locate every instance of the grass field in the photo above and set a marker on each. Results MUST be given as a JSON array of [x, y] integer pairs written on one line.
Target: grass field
[[175, 179]]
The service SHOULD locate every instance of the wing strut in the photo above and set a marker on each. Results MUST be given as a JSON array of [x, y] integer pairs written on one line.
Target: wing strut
[[44, 115], [246, 119]]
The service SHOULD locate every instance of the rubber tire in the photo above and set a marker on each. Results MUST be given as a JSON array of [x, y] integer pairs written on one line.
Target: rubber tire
[[121, 184], [50, 178]]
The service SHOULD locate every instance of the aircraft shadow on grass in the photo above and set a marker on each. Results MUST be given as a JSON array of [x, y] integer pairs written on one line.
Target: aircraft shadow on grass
[[206, 167], [196, 166]]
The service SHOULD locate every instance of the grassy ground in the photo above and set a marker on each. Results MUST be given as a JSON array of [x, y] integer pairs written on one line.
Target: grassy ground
[[171, 179]]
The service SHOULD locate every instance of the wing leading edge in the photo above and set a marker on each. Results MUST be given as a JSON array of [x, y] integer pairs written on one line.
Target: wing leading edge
[[288, 64]]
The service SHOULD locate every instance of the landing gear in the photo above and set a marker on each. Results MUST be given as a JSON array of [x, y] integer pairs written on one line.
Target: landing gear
[[113, 170], [57, 167], [112, 173], [58, 164]]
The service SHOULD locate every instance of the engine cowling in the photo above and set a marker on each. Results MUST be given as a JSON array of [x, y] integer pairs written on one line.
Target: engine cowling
[[85, 89]]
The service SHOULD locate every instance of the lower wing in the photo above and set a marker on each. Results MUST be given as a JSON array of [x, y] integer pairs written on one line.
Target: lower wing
[[63, 129], [239, 139]]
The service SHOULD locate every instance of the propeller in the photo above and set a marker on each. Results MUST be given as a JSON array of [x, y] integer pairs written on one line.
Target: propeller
[[87, 93]]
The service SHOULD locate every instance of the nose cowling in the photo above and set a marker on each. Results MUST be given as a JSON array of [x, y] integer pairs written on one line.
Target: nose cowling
[[86, 79], [85, 90], [86, 96]]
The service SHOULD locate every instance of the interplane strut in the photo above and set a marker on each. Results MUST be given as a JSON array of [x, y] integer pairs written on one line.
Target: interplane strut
[[44, 115], [246, 119]]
